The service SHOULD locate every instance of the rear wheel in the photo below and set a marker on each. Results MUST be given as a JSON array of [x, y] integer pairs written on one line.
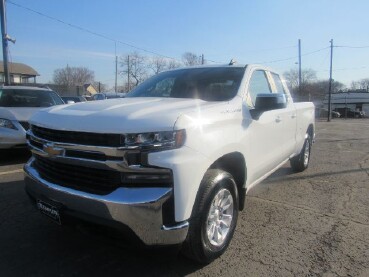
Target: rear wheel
[[214, 217], [301, 161]]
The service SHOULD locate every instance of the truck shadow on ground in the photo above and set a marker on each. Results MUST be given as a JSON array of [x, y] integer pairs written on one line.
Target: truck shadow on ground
[[14, 156], [33, 245]]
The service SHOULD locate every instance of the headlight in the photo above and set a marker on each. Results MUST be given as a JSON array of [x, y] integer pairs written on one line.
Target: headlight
[[156, 140], [6, 123]]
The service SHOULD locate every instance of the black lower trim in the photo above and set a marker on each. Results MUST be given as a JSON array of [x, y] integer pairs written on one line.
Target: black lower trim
[[168, 212]]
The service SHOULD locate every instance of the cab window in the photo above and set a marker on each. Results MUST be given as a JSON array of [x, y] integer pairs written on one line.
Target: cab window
[[258, 85], [278, 83]]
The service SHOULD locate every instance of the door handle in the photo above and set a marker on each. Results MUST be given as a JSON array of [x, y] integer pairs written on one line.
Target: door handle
[[278, 119], [293, 116]]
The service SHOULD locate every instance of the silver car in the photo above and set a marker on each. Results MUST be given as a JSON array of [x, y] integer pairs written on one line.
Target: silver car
[[17, 105]]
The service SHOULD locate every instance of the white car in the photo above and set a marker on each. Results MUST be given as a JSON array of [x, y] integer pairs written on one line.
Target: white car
[[17, 105]]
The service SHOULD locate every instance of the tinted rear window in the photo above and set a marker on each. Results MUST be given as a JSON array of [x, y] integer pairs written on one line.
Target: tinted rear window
[[28, 98]]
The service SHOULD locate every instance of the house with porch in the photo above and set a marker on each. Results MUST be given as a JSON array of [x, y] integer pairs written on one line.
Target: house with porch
[[20, 73]]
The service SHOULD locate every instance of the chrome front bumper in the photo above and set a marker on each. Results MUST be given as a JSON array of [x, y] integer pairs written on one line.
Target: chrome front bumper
[[140, 209]]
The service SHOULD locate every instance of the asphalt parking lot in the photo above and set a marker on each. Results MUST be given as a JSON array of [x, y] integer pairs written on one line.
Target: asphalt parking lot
[[314, 223]]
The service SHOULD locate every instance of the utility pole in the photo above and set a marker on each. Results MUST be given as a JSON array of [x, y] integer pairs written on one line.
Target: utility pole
[[202, 59], [99, 87], [330, 85], [5, 39], [116, 73], [128, 72], [116, 66], [300, 69]]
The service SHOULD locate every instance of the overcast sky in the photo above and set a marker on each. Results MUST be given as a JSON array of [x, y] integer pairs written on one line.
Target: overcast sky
[[250, 31]]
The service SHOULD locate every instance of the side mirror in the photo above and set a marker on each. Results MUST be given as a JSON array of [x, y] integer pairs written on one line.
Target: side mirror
[[267, 102], [70, 102]]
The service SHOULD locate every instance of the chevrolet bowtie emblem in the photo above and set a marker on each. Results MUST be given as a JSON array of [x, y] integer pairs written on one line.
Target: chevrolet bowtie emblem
[[51, 150]]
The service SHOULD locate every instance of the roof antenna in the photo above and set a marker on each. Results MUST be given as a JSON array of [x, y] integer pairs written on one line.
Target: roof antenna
[[232, 62]]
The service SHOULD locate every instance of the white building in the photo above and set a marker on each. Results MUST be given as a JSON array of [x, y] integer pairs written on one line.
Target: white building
[[354, 100]]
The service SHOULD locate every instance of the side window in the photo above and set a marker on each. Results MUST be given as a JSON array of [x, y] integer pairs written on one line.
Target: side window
[[258, 85], [278, 83], [56, 98]]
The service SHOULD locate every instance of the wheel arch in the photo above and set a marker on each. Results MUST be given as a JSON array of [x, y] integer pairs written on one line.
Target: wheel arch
[[235, 164], [310, 131]]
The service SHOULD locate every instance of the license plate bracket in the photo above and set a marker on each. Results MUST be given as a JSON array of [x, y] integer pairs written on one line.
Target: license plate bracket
[[49, 210]]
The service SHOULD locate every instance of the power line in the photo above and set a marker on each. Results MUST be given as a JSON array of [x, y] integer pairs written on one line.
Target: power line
[[345, 68], [271, 49], [324, 60], [295, 57], [347, 46], [281, 60], [255, 50], [89, 31], [316, 51]]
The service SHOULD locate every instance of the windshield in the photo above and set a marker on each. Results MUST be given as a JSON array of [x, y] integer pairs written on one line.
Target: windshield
[[28, 98], [209, 84]]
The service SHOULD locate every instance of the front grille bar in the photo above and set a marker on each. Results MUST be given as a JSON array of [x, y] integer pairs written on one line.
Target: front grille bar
[[78, 177], [115, 158], [84, 138]]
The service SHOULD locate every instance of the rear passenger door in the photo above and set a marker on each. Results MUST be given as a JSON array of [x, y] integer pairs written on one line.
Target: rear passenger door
[[287, 116]]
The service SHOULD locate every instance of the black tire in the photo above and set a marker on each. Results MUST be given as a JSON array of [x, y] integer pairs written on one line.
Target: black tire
[[301, 162], [197, 245]]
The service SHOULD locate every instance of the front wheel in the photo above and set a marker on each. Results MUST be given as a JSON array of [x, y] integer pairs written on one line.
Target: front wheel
[[214, 217], [301, 161]]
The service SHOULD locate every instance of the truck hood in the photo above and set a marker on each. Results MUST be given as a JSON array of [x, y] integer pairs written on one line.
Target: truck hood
[[18, 114], [127, 115]]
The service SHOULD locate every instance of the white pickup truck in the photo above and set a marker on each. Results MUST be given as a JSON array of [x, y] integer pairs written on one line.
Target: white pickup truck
[[173, 160]]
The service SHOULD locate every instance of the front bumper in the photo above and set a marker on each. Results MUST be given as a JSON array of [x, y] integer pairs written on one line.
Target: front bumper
[[10, 138], [140, 209]]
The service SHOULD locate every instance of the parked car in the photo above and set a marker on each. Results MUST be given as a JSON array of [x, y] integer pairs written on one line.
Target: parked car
[[107, 95], [350, 113], [17, 105], [73, 99], [88, 97], [174, 159], [322, 112]]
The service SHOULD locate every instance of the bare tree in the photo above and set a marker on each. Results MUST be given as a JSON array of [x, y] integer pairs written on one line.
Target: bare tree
[[362, 84], [135, 66], [355, 85], [172, 64], [319, 89], [73, 76], [158, 64], [191, 59], [292, 77]]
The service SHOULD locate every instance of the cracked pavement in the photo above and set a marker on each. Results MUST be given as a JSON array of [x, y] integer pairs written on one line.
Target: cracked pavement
[[314, 223]]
